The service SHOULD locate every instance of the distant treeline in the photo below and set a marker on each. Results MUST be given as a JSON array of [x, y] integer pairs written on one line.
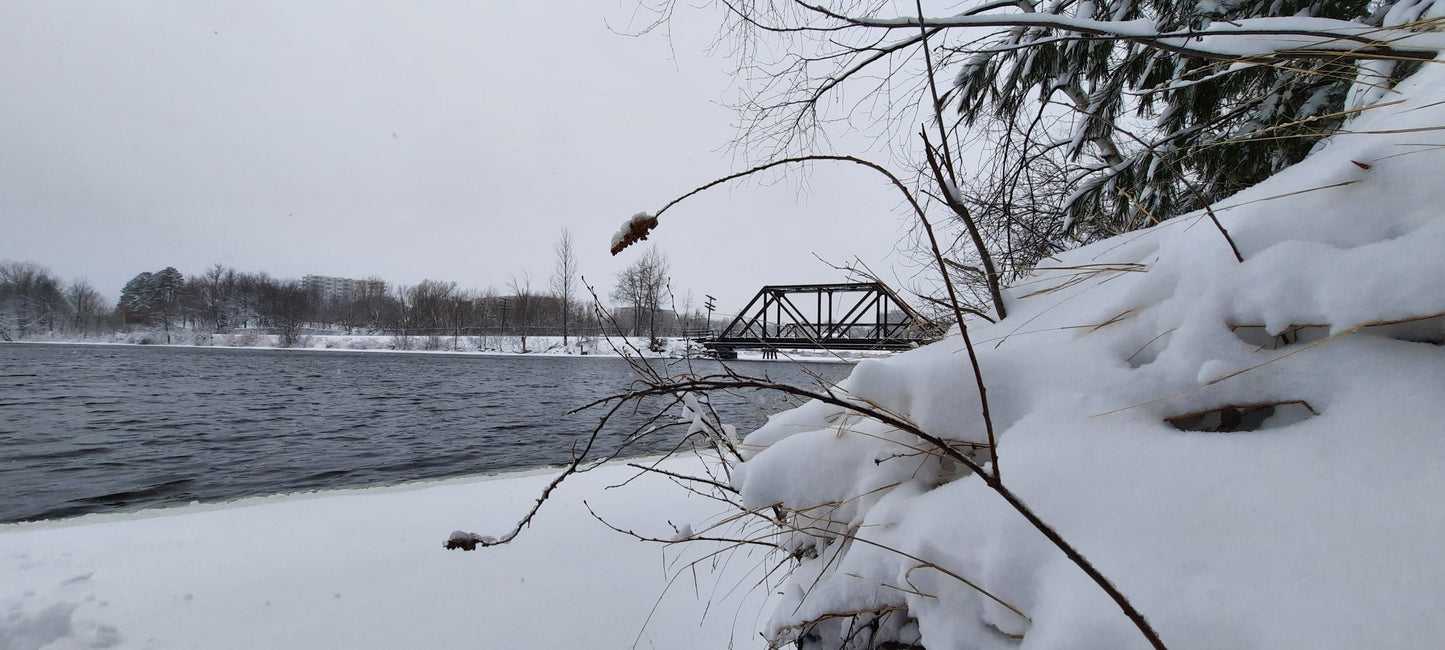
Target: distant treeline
[[34, 302]]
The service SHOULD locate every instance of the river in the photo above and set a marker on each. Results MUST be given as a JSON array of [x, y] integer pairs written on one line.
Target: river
[[86, 428]]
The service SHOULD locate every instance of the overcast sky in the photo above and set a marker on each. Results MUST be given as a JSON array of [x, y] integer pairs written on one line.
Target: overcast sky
[[402, 139]]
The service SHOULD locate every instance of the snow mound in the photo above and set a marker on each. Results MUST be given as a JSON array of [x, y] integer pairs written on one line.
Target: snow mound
[[1251, 452], [52, 627]]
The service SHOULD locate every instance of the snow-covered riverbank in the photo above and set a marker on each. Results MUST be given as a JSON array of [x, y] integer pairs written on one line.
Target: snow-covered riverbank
[[366, 569]]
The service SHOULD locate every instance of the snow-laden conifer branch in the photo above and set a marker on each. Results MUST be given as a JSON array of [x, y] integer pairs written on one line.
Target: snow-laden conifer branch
[[1193, 189], [1286, 66], [1245, 39]]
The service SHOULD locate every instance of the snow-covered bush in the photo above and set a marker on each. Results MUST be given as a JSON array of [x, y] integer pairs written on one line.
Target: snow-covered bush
[[366, 343], [142, 337], [1250, 452], [245, 338]]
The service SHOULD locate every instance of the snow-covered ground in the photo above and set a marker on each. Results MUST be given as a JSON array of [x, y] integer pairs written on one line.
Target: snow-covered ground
[[366, 569]]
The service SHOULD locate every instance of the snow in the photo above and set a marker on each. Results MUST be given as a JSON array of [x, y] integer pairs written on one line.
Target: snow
[[366, 569], [1315, 527], [633, 230], [1236, 38]]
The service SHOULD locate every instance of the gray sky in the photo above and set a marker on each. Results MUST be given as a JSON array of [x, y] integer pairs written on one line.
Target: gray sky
[[409, 140]]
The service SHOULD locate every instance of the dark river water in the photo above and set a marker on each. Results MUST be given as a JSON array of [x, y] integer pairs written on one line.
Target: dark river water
[[99, 428]]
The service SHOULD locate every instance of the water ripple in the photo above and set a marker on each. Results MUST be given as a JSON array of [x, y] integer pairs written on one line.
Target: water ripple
[[92, 429]]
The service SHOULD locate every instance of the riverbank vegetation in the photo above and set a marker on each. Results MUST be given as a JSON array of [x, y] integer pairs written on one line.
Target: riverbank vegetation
[[226, 305]]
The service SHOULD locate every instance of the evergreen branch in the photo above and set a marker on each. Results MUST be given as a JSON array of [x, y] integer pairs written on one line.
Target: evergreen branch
[[1340, 38]]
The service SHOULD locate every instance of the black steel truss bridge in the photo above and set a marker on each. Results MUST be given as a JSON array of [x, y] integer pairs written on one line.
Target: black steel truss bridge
[[849, 316]]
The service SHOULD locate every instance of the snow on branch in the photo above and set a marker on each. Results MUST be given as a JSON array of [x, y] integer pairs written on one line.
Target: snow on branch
[[632, 231], [1264, 37]]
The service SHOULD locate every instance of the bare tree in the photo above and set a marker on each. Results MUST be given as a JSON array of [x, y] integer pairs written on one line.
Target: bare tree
[[398, 317], [461, 310], [523, 304], [642, 286], [685, 317], [215, 288], [564, 278], [369, 303], [285, 306], [29, 298], [86, 305]]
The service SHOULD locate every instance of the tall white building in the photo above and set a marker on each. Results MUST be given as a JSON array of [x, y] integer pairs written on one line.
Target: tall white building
[[332, 288]]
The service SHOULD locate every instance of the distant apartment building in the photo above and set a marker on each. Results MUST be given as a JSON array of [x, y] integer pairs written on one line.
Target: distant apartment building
[[331, 288], [628, 321]]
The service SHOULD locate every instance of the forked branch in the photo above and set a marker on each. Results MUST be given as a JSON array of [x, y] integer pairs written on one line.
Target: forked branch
[[943, 180]]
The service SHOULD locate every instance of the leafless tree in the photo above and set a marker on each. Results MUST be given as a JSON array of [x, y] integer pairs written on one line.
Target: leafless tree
[[428, 303], [643, 286], [461, 314], [86, 305], [216, 285], [685, 316], [564, 278], [369, 303], [398, 317], [523, 304], [29, 298], [285, 305]]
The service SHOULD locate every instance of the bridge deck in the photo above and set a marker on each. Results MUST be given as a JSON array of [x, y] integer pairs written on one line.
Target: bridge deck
[[812, 344]]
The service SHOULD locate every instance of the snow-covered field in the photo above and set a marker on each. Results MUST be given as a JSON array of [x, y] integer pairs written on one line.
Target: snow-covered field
[[366, 569]]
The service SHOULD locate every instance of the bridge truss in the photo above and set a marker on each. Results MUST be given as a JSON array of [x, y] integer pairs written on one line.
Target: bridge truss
[[849, 316]]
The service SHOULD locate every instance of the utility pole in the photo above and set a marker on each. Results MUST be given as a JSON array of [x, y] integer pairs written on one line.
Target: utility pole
[[710, 305], [504, 315]]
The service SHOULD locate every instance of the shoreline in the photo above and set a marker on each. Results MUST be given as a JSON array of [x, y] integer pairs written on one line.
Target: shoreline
[[181, 509], [749, 356]]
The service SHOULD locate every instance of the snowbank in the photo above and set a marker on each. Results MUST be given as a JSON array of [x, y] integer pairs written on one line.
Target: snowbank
[[366, 569], [1251, 452]]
